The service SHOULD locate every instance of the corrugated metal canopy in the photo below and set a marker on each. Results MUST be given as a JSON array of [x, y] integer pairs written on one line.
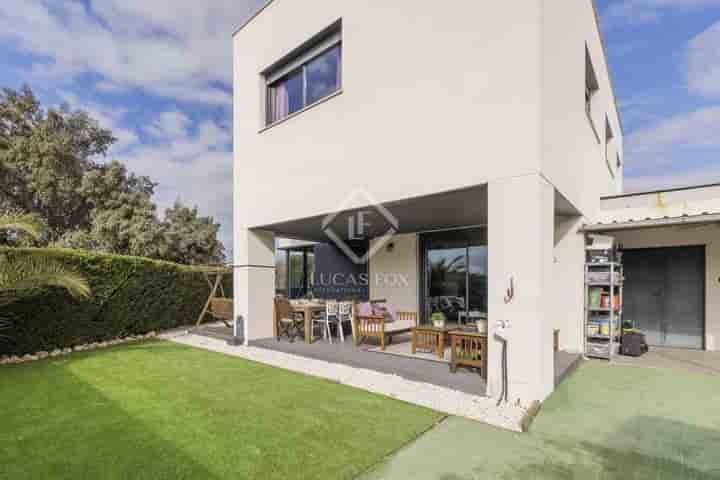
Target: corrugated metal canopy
[[631, 224]]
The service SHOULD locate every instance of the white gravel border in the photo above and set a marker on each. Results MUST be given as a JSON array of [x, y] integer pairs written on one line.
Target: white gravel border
[[438, 398]]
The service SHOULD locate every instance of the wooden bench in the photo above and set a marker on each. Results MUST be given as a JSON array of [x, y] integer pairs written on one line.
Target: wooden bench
[[376, 326]]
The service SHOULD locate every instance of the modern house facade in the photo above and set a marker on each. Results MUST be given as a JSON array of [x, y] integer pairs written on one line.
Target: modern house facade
[[452, 153]]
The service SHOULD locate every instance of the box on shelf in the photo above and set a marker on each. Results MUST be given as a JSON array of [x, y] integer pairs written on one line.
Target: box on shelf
[[598, 277], [596, 349], [595, 297], [605, 300]]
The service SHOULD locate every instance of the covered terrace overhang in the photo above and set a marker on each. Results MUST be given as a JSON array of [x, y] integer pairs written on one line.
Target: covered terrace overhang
[[462, 208], [442, 211]]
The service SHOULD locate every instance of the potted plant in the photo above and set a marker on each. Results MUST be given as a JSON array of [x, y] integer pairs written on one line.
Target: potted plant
[[438, 319]]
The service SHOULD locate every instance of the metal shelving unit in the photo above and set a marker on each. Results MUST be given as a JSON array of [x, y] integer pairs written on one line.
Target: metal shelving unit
[[607, 279]]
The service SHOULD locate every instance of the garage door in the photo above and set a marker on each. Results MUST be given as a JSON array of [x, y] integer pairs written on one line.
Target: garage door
[[665, 295]]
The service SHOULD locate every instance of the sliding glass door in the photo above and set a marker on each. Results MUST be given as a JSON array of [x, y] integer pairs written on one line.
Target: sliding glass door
[[455, 275], [294, 272]]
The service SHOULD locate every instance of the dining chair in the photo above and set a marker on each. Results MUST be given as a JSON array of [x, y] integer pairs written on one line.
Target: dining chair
[[345, 314], [332, 317], [288, 322], [321, 319]]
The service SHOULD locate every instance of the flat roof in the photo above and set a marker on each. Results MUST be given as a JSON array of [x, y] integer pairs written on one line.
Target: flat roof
[[698, 220], [666, 190], [252, 17]]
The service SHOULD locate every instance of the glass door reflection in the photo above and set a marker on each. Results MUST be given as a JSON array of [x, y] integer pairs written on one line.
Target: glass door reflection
[[447, 282], [455, 275]]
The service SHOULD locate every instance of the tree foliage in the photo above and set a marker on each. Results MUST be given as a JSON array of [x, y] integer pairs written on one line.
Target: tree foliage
[[189, 238], [43, 158], [51, 166]]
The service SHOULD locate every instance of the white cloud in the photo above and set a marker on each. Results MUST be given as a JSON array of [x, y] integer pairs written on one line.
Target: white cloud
[[172, 48], [175, 49], [698, 128], [190, 163], [638, 12], [680, 150], [169, 124], [703, 62], [698, 176]]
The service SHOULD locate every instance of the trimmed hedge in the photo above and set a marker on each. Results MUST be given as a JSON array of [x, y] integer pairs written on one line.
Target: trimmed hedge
[[130, 296]]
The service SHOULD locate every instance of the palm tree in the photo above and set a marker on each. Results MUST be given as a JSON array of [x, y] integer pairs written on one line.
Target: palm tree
[[18, 274]]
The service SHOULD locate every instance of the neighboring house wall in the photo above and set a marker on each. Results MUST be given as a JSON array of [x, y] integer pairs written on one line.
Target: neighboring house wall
[[394, 275], [674, 204], [655, 205]]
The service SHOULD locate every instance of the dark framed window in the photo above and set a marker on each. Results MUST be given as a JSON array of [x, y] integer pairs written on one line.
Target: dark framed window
[[591, 88], [312, 73], [294, 272], [608, 138]]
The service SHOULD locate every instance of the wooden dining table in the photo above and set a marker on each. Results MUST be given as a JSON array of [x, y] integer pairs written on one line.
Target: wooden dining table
[[307, 309]]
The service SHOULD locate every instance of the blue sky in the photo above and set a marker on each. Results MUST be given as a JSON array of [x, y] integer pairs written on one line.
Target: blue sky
[[158, 72]]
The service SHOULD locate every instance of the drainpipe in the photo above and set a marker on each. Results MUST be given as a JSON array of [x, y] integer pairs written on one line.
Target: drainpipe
[[501, 335]]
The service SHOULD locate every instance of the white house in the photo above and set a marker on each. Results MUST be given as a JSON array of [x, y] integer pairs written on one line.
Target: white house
[[488, 132]]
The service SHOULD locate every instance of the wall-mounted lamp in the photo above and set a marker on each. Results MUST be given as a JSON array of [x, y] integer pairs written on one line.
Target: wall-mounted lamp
[[390, 247]]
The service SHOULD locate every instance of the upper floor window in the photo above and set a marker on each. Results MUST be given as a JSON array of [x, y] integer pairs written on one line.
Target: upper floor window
[[312, 73], [591, 82], [608, 138], [591, 88]]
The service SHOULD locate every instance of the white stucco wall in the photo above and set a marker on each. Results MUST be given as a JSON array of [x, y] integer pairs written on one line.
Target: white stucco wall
[[435, 97], [520, 246], [254, 281], [394, 274], [567, 288], [572, 158]]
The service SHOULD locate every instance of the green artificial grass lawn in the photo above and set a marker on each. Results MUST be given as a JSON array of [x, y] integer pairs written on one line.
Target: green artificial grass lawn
[[161, 410], [604, 422]]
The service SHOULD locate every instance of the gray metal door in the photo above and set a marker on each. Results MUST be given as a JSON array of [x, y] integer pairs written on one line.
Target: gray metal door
[[665, 295]]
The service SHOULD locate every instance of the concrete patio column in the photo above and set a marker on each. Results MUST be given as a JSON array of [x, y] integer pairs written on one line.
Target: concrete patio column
[[520, 246], [254, 281]]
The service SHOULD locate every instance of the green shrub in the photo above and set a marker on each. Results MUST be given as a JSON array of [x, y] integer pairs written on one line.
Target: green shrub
[[130, 296]]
